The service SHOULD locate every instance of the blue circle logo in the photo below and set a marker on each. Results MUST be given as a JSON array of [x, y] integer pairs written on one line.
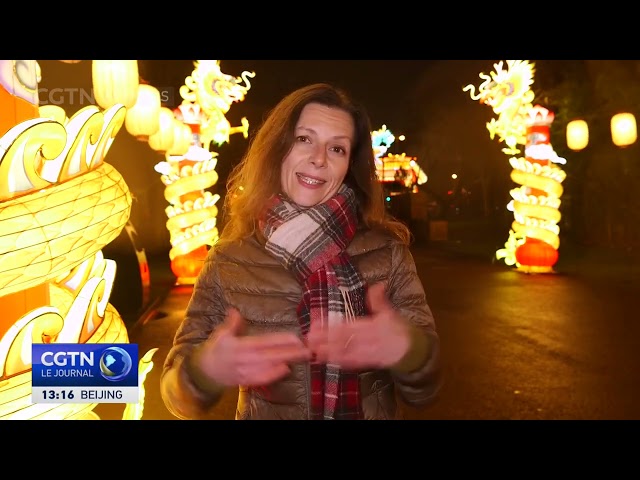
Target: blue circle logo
[[115, 364]]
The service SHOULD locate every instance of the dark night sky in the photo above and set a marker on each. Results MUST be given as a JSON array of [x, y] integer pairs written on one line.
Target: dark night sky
[[399, 93], [383, 86]]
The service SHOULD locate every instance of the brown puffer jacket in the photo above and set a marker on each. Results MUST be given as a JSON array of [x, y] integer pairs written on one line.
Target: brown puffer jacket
[[247, 277]]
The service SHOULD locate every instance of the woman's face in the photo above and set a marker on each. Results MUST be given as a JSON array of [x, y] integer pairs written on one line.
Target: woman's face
[[315, 168]]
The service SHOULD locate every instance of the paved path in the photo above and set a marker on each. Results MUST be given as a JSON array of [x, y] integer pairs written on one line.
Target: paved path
[[515, 346]]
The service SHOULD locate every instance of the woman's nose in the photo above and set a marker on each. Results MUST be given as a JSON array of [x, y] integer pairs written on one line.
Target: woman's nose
[[319, 158]]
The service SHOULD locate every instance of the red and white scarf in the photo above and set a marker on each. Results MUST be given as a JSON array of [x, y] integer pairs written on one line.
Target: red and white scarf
[[312, 243]]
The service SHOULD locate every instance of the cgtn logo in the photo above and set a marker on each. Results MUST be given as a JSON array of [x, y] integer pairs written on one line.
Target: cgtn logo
[[85, 373]]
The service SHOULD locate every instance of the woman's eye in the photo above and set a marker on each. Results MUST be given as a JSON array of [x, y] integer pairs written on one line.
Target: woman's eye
[[302, 138], [339, 149]]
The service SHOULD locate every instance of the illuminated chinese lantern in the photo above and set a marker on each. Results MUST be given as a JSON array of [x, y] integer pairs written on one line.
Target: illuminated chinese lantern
[[115, 82], [70, 61], [182, 138], [577, 135], [623, 129], [162, 139], [143, 119]]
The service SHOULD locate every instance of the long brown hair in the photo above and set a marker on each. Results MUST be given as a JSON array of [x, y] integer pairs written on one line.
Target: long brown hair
[[257, 177]]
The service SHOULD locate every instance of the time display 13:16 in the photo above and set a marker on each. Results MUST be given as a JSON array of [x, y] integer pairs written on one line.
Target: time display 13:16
[[57, 394]]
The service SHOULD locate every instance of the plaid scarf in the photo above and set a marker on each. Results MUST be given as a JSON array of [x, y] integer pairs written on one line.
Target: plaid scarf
[[311, 243]]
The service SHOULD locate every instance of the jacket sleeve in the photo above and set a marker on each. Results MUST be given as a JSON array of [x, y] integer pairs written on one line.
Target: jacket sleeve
[[183, 391], [418, 375]]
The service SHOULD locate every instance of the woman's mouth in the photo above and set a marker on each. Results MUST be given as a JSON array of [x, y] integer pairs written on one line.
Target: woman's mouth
[[310, 181]]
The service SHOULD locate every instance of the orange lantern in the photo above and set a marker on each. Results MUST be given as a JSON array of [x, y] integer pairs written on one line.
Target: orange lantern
[[187, 267], [536, 253]]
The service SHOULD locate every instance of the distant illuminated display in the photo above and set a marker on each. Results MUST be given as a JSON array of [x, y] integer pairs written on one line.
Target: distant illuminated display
[[398, 168], [392, 167]]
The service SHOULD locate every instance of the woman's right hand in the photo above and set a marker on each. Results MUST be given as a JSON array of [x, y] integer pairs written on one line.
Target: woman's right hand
[[230, 359]]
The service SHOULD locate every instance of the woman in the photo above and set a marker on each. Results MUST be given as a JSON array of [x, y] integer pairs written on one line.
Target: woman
[[310, 302]]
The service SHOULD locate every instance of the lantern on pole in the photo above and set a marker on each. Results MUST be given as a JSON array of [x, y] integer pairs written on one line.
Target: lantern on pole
[[623, 129], [182, 138], [162, 140], [577, 135], [143, 119], [115, 82]]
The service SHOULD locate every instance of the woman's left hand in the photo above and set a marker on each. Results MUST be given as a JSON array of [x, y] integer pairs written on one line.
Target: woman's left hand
[[379, 340]]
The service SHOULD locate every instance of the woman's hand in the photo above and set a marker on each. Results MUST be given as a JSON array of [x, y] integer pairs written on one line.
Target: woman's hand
[[231, 359], [379, 340]]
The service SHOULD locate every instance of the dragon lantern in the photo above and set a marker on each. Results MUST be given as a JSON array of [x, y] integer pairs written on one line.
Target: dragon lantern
[[207, 96], [533, 239], [509, 94], [215, 92]]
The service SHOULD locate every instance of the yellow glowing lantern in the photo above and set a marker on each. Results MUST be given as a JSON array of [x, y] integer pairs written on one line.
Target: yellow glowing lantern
[[143, 118], [182, 138], [577, 135], [115, 82], [70, 61], [162, 140], [623, 129]]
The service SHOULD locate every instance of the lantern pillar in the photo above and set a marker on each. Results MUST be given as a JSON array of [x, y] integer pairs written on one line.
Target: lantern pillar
[[189, 174], [536, 202]]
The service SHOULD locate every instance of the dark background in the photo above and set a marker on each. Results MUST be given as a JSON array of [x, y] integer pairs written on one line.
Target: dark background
[[444, 128]]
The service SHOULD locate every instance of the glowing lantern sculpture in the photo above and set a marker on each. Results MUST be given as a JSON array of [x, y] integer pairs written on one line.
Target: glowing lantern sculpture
[[207, 96], [18, 92], [533, 240], [60, 204], [535, 204], [381, 140]]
